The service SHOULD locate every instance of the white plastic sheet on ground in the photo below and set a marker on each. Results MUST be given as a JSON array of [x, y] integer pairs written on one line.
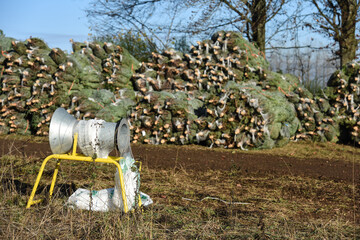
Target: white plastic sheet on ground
[[111, 198]]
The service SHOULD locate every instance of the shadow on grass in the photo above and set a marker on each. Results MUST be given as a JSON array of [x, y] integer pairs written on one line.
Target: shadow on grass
[[15, 185]]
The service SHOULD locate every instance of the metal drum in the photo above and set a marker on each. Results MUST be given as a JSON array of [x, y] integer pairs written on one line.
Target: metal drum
[[61, 131], [123, 138], [96, 138]]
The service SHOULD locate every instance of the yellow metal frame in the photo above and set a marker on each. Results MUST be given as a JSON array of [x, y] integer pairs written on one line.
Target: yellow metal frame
[[76, 157]]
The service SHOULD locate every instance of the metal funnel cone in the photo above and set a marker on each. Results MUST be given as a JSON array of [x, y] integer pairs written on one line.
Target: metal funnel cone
[[123, 138], [61, 131]]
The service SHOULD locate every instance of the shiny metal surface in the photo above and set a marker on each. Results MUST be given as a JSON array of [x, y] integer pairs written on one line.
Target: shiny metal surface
[[61, 131], [106, 138], [123, 138], [96, 138]]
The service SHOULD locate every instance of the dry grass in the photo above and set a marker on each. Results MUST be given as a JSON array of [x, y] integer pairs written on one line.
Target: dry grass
[[31, 138], [279, 207], [326, 150], [301, 149]]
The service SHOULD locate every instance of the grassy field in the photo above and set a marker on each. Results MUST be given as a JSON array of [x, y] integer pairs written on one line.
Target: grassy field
[[187, 204]]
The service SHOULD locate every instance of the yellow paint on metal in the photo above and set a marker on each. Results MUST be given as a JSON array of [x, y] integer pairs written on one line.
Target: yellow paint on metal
[[54, 178], [77, 157], [140, 165], [75, 144]]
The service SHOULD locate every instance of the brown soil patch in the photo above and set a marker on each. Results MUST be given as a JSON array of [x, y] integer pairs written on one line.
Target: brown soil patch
[[203, 159]]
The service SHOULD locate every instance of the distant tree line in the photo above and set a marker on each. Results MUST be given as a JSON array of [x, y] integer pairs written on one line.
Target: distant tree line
[[167, 23]]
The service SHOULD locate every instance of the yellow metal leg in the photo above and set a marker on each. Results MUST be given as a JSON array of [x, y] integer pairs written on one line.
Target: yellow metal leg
[[75, 144], [140, 200], [54, 178], [30, 202], [140, 164], [78, 157], [122, 185]]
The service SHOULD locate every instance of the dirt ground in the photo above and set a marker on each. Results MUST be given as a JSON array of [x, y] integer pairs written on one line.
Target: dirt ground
[[203, 159], [300, 191]]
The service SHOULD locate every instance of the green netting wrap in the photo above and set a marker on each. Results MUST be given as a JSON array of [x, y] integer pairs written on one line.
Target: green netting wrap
[[19, 47], [234, 41], [36, 80], [58, 56], [126, 94], [220, 94], [104, 96], [36, 43], [238, 100], [5, 42], [98, 50]]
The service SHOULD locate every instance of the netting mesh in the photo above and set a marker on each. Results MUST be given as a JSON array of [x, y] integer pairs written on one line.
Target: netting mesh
[[220, 94]]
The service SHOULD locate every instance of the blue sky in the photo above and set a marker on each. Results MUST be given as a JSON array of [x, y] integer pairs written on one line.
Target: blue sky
[[55, 21]]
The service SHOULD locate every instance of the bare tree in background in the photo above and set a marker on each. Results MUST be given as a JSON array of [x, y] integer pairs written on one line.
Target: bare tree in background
[[189, 16], [110, 17], [247, 16], [337, 19], [312, 66]]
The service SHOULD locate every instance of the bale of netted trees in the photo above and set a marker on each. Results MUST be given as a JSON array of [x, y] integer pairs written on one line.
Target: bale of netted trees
[[220, 94], [241, 103], [35, 80], [343, 95]]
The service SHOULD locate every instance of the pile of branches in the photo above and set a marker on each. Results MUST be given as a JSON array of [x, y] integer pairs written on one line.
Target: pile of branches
[[318, 120], [343, 94], [220, 94], [35, 80]]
